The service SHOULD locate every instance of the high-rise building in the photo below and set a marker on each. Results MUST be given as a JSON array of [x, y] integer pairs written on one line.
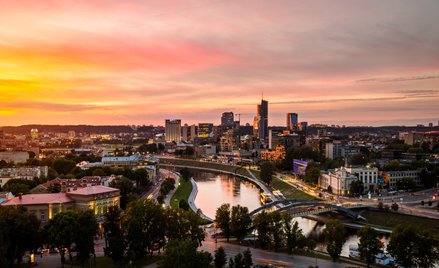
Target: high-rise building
[[173, 130], [227, 120], [262, 113], [185, 132], [292, 121], [204, 130], [34, 133]]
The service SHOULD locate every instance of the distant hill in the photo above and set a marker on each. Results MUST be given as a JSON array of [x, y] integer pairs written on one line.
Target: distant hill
[[25, 129]]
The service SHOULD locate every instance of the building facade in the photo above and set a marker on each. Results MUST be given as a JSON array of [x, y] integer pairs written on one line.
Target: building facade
[[173, 130]]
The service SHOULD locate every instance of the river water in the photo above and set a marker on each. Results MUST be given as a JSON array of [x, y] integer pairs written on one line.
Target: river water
[[217, 189]]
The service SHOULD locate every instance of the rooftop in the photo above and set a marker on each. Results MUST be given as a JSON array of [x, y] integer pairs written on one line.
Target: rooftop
[[36, 199], [90, 190]]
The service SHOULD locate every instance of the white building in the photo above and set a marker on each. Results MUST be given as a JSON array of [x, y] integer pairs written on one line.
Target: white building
[[339, 179], [24, 173], [16, 157], [173, 130], [369, 177], [334, 150]]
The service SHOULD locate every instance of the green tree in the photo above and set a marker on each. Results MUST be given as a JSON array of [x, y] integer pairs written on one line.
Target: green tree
[[312, 173], [19, 232], [402, 245], [87, 228], [98, 172], [183, 254], [63, 166], [141, 177], [240, 222], [267, 171], [247, 258], [220, 259], [61, 232], [406, 184], [369, 244], [394, 207], [292, 232], [334, 238], [126, 187], [426, 250], [356, 188], [186, 174], [276, 229], [114, 240], [222, 220], [183, 204], [144, 225], [262, 225], [358, 160]]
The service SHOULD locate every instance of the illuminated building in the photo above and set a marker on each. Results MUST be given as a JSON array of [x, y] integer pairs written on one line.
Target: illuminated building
[[173, 130], [46, 206], [204, 130], [293, 121], [34, 133]]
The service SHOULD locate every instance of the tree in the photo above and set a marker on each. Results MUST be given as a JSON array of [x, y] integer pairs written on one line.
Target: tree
[[402, 245], [183, 204], [186, 174], [276, 229], [292, 232], [115, 244], [240, 222], [126, 187], [247, 258], [63, 166], [262, 225], [380, 206], [144, 224], [369, 244], [406, 184], [334, 238], [19, 232], [312, 173], [182, 224], [356, 188], [220, 259], [87, 227], [98, 172], [426, 250], [222, 219], [358, 160], [394, 207], [267, 171], [183, 254], [140, 175], [61, 232]]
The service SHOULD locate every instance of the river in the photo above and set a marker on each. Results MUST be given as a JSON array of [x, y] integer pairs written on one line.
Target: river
[[217, 189]]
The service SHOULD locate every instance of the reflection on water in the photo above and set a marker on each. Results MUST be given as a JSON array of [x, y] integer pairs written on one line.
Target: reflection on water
[[217, 189]]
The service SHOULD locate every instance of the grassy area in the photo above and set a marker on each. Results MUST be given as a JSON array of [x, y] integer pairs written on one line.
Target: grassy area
[[289, 191], [183, 192], [389, 219]]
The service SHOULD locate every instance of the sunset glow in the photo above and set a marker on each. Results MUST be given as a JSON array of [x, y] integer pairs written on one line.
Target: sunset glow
[[139, 62]]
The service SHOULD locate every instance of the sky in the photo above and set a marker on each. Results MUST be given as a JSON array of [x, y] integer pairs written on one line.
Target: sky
[[109, 62]]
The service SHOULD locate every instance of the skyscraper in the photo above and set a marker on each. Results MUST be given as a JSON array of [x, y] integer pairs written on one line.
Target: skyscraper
[[227, 120], [262, 113], [173, 130], [292, 121], [204, 130]]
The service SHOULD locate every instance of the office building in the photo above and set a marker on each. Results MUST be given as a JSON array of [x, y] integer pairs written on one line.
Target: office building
[[173, 130], [15, 157], [227, 121], [262, 120], [292, 122], [205, 130]]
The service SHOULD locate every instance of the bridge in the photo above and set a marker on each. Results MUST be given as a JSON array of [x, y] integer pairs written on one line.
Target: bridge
[[297, 203]]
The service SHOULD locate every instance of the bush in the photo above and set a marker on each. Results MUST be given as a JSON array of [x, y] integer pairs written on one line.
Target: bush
[[395, 207]]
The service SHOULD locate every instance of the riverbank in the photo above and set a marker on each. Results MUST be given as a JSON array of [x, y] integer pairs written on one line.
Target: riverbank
[[183, 191], [391, 219]]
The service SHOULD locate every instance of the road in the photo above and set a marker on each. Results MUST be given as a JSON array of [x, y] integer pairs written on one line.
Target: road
[[266, 257], [409, 203]]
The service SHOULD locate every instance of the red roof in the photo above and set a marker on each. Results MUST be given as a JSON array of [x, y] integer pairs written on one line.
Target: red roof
[[37, 199], [90, 190]]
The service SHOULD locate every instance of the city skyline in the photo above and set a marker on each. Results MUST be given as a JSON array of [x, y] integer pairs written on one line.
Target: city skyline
[[110, 63]]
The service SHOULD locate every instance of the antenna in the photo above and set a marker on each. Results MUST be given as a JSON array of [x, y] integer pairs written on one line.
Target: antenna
[[262, 94]]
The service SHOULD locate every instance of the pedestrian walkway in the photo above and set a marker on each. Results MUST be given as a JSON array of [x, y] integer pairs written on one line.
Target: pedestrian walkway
[[167, 200]]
